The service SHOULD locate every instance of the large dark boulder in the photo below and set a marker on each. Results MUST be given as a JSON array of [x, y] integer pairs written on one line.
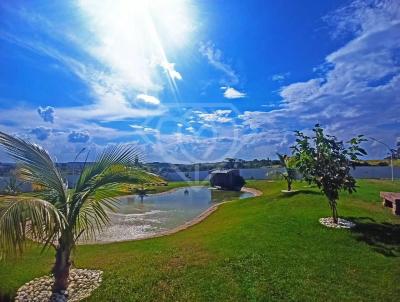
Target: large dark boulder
[[227, 179]]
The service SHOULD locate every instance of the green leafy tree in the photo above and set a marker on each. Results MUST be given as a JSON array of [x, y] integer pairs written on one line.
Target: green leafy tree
[[57, 216], [327, 162], [290, 171]]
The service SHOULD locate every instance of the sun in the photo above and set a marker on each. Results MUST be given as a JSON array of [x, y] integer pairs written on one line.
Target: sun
[[134, 38]]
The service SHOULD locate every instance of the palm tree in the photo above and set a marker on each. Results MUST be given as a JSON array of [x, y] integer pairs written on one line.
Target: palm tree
[[57, 216]]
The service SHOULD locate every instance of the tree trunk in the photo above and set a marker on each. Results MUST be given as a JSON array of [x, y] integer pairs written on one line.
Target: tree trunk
[[289, 186], [62, 265], [334, 211]]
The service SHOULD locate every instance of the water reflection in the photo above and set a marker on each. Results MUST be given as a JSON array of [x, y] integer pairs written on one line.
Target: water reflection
[[142, 215]]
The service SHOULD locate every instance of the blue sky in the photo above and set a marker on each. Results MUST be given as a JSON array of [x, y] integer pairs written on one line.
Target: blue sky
[[194, 81]]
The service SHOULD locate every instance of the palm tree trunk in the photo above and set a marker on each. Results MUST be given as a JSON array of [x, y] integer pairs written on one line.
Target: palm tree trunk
[[63, 263]]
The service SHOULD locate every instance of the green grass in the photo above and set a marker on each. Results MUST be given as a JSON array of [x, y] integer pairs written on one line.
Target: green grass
[[259, 249]]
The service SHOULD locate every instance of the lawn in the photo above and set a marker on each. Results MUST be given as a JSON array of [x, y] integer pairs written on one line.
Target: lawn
[[258, 249]]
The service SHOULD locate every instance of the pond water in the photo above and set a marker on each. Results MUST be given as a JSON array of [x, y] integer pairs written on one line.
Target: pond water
[[139, 217]]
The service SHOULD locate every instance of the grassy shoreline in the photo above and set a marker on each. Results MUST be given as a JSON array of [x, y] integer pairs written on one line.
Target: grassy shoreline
[[262, 248]]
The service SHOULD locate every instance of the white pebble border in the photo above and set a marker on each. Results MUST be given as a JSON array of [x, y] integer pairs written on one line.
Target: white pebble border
[[342, 223], [81, 284], [289, 192]]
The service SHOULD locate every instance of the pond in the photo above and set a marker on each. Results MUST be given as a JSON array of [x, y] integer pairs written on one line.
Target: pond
[[139, 217]]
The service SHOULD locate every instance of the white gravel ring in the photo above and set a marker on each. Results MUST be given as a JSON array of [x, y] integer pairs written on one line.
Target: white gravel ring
[[82, 282], [342, 223]]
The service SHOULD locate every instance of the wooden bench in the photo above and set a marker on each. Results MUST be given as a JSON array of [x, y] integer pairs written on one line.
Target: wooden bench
[[391, 200]]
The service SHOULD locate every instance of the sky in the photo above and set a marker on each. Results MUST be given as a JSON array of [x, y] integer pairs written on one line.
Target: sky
[[198, 81]]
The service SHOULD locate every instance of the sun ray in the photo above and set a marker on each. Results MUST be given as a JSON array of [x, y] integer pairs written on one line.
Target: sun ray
[[131, 40]]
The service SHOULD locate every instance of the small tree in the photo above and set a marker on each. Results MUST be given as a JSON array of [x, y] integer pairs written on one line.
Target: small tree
[[325, 161], [290, 172]]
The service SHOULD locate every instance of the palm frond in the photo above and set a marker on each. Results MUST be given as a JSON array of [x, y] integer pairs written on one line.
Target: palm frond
[[100, 183], [36, 166], [108, 185], [93, 214], [26, 218], [124, 155]]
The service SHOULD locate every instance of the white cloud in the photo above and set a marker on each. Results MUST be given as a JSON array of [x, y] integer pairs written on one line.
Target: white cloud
[[52, 138], [78, 137], [215, 58], [219, 116], [169, 68], [46, 113], [115, 63], [41, 133], [151, 130], [263, 119], [190, 129], [129, 35], [279, 77], [360, 83], [302, 91], [360, 17], [144, 130], [179, 125], [136, 126], [111, 98], [188, 147], [357, 91], [232, 93], [148, 99]]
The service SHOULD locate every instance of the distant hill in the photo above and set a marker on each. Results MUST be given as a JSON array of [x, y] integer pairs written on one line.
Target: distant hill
[[230, 163], [379, 162]]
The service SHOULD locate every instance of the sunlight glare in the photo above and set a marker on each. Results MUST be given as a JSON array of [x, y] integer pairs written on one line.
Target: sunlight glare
[[132, 38]]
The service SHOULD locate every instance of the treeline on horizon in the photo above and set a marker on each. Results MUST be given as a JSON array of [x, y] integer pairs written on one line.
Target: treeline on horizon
[[229, 163], [232, 163], [162, 167]]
